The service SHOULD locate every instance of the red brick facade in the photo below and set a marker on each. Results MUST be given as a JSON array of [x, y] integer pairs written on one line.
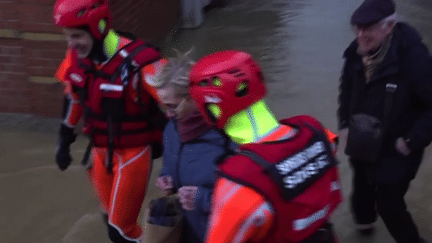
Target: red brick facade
[[31, 47]]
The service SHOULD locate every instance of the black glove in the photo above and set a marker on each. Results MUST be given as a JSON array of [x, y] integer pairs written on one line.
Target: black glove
[[63, 157]]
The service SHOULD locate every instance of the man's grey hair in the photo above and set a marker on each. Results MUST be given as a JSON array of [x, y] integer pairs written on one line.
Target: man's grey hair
[[176, 73], [392, 19]]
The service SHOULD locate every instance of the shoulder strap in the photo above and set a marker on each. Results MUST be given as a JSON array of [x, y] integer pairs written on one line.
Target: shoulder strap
[[323, 137], [89, 68], [265, 165], [257, 159], [128, 52], [388, 103]]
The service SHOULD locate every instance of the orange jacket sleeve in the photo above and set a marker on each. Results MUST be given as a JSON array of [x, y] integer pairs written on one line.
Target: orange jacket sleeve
[[239, 214], [333, 139], [73, 112], [149, 75], [62, 70], [73, 108]]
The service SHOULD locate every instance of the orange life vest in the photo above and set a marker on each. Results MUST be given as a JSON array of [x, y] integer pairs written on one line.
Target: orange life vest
[[298, 176], [112, 115]]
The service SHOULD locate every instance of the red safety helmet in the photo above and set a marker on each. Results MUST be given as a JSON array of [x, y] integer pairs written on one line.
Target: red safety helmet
[[228, 80], [76, 13]]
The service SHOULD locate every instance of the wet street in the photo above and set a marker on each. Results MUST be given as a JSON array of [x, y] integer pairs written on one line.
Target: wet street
[[299, 45]]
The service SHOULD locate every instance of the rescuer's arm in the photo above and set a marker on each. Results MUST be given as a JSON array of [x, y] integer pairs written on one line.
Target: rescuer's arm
[[71, 113], [239, 214]]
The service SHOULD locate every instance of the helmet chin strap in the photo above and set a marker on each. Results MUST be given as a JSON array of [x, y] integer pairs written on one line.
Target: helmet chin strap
[[97, 53], [104, 49]]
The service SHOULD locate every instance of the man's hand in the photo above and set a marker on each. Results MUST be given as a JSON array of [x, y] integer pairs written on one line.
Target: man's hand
[[402, 146], [63, 157], [187, 196], [166, 184]]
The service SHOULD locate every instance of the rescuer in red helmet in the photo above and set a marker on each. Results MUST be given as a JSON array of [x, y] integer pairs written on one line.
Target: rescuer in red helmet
[[283, 184], [105, 76]]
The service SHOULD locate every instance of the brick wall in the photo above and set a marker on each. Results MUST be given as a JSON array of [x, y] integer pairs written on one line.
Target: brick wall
[[31, 47]]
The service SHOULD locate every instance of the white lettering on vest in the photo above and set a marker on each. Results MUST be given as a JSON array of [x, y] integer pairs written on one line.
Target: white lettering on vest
[[300, 158], [307, 171], [302, 224], [111, 87]]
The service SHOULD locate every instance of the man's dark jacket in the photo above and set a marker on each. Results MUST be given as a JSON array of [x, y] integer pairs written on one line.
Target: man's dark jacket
[[409, 65]]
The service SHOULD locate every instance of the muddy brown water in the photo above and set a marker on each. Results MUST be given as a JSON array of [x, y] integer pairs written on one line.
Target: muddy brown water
[[299, 45]]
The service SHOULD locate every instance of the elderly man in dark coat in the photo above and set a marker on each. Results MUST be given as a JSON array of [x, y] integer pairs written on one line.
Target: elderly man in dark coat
[[385, 116]]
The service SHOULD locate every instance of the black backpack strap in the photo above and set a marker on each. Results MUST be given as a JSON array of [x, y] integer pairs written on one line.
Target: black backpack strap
[[128, 63], [229, 151], [110, 144], [257, 159], [94, 71], [86, 157], [265, 165], [388, 104]]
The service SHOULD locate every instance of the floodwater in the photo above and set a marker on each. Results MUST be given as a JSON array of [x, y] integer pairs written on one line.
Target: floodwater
[[299, 45]]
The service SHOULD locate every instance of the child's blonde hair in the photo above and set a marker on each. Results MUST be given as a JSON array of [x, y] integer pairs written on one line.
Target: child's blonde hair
[[176, 73]]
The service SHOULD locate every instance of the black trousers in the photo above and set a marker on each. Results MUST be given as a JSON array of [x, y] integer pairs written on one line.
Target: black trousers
[[368, 200]]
